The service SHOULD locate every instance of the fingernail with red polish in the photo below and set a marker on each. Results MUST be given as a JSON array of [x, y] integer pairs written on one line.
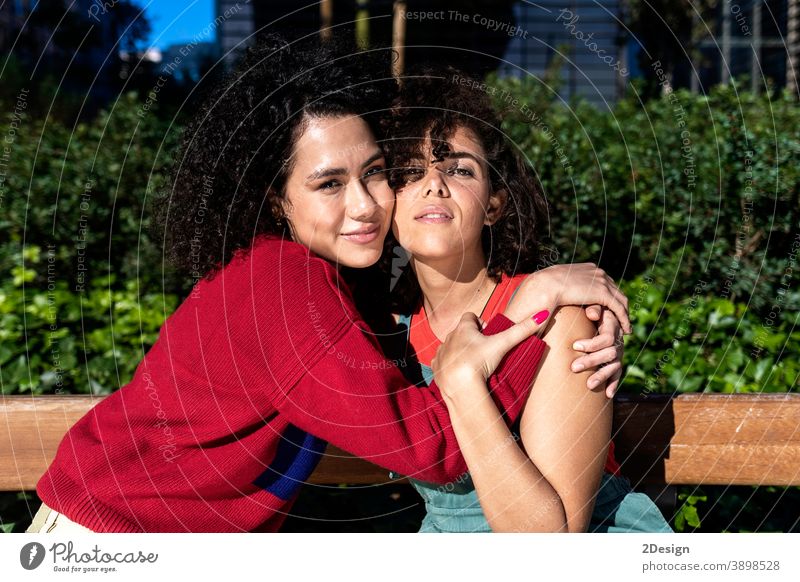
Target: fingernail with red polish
[[541, 316]]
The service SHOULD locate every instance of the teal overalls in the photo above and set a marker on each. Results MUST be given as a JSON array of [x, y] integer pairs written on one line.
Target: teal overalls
[[454, 507]]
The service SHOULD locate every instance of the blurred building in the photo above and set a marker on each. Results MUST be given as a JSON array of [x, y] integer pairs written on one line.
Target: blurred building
[[748, 39], [600, 53], [187, 62], [236, 27], [472, 46], [793, 45], [478, 36], [587, 35], [76, 42]]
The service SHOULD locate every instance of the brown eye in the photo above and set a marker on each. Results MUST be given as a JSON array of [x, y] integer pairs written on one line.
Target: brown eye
[[412, 174], [330, 185], [375, 171], [457, 170], [401, 176]]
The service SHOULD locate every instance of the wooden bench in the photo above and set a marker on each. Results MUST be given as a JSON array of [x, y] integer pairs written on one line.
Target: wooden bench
[[661, 442]]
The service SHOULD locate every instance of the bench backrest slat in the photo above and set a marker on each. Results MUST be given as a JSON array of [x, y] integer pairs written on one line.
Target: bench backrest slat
[[689, 439], [710, 439]]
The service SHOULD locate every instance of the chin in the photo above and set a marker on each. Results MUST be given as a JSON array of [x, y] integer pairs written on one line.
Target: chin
[[359, 258], [432, 248]]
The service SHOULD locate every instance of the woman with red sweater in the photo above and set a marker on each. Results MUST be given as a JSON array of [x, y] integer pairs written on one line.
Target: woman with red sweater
[[280, 183]]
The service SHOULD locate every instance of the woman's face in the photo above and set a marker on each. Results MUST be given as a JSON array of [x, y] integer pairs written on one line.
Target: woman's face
[[444, 205], [338, 201]]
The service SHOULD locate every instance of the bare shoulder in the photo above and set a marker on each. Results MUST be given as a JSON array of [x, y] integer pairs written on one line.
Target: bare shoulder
[[568, 324]]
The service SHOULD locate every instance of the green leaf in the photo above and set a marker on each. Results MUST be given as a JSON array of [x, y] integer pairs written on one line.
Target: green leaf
[[761, 368], [691, 384], [690, 513], [635, 372]]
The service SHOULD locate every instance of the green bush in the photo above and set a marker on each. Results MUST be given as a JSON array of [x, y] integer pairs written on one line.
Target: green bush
[[81, 193], [685, 188], [56, 340], [707, 344], [81, 290]]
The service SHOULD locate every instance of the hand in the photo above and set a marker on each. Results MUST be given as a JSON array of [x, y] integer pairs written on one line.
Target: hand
[[467, 355], [576, 284], [605, 350]]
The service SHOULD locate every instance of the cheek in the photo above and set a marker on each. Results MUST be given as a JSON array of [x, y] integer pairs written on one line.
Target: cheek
[[472, 217], [383, 196], [312, 218], [402, 219], [328, 219], [477, 201]]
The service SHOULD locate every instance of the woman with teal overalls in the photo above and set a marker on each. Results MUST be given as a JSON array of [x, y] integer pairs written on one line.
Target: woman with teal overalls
[[469, 212], [455, 507]]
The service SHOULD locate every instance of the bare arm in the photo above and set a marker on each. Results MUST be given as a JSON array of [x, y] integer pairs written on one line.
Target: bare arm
[[512, 491], [550, 485], [565, 428], [582, 284]]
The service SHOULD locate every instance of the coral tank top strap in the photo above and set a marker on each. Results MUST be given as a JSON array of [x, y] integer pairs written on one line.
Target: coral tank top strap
[[425, 343]]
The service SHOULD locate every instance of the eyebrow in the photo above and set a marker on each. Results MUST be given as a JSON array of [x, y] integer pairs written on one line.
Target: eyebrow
[[451, 155], [447, 156], [328, 172]]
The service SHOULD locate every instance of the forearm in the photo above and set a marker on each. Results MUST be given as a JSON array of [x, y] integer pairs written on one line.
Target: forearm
[[560, 285], [372, 411], [512, 491]]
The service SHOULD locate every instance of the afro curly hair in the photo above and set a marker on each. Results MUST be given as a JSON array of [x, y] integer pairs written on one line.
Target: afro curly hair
[[235, 154], [434, 102]]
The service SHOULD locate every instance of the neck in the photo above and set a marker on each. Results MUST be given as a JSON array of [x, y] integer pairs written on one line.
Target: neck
[[453, 285]]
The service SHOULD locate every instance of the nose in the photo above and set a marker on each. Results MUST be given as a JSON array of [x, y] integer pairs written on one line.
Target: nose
[[361, 205], [435, 185]]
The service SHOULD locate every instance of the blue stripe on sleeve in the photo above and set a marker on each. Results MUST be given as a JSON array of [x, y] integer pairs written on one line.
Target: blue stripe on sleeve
[[296, 458]]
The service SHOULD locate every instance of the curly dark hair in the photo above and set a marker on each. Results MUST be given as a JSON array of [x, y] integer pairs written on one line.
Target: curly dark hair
[[433, 103], [235, 156]]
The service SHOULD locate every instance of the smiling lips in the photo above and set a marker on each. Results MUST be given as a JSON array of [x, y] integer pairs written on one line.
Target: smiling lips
[[363, 235], [434, 215]]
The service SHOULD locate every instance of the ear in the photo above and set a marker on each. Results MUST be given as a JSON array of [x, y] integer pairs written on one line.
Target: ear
[[495, 207], [279, 206]]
